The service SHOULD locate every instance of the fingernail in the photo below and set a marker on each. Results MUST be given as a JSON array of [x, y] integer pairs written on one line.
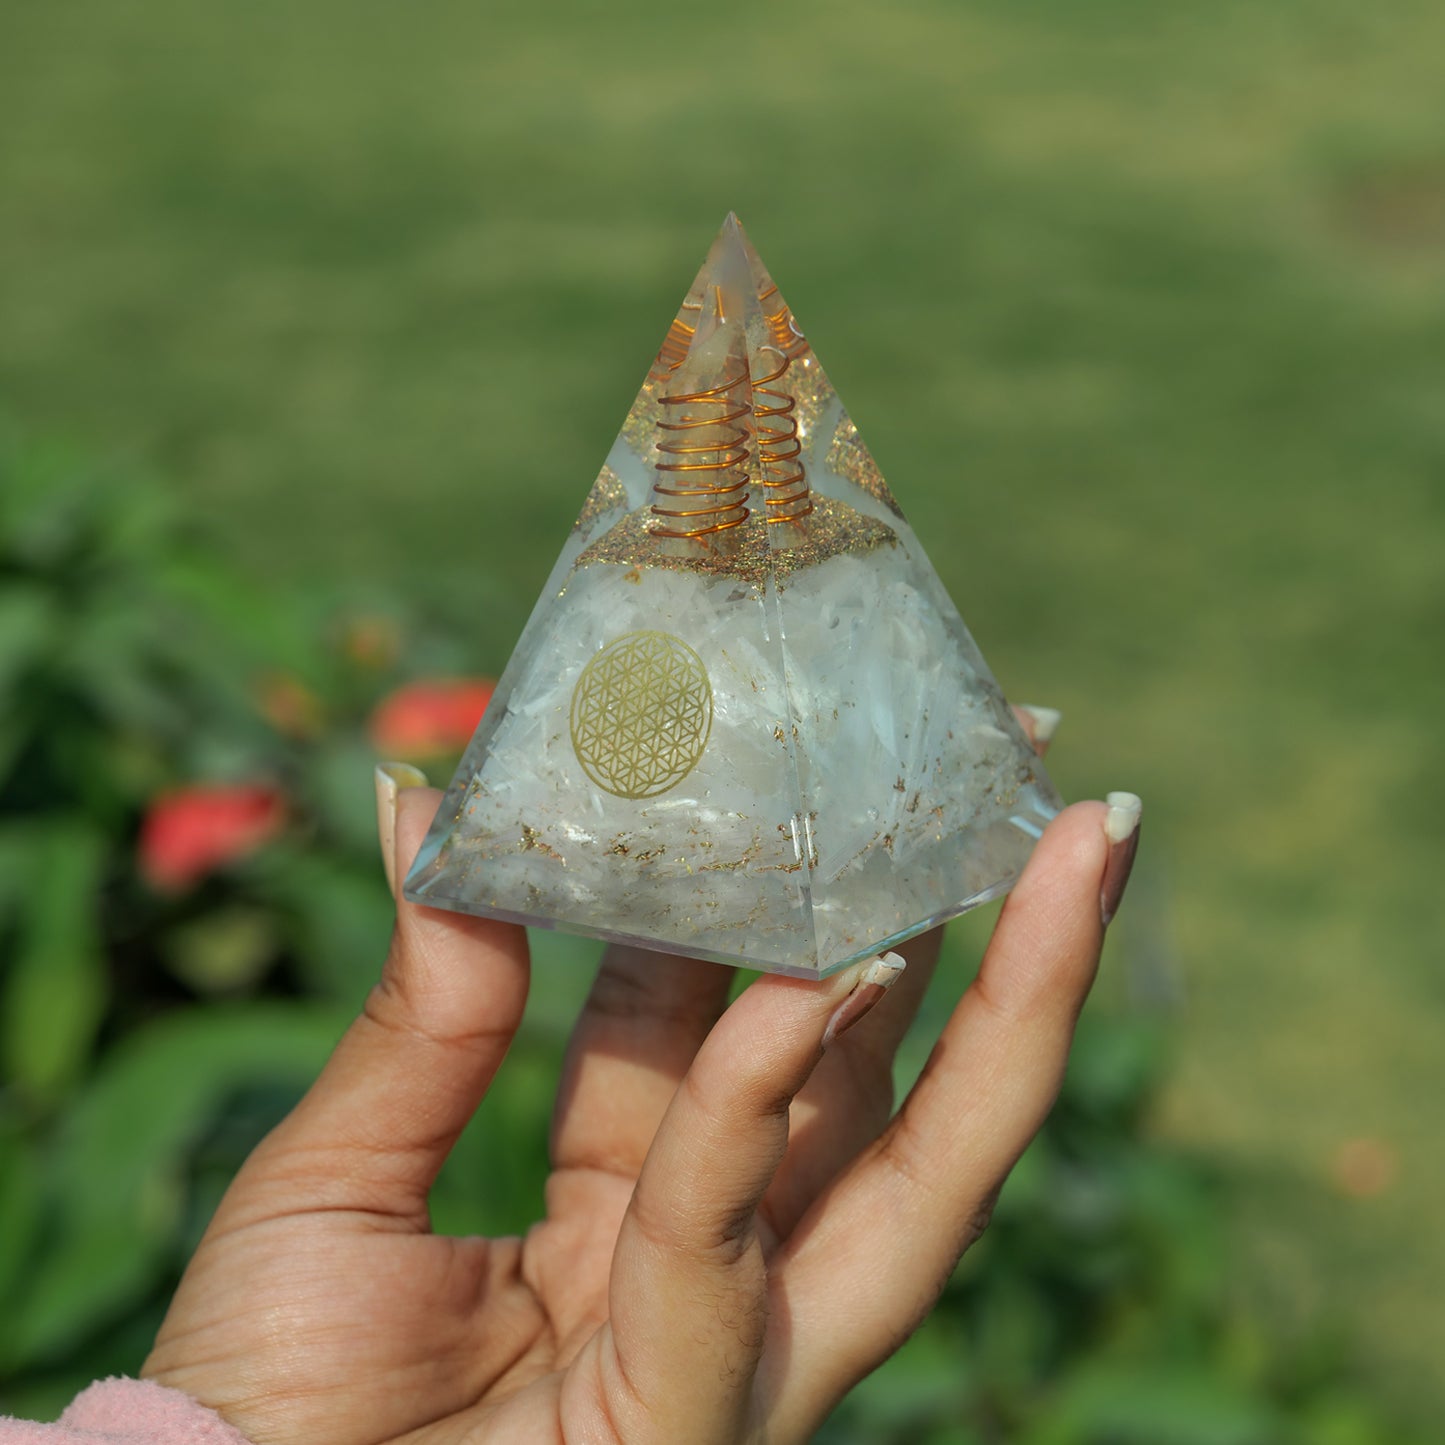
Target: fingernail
[[1121, 827], [391, 778], [875, 980], [1041, 723]]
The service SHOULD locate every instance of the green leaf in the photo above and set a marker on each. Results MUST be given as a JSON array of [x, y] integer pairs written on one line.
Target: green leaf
[[27, 627], [15, 852], [80, 1277], [260, 629], [1340, 1419], [21, 1209], [223, 951], [927, 1379], [1115, 1067], [341, 777], [563, 967], [492, 1183], [1151, 1403], [343, 917], [55, 991], [116, 1182]]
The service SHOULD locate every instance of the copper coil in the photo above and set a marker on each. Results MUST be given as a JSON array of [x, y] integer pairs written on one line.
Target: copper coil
[[787, 497], [782, 329], [677, 341], [720, 457]]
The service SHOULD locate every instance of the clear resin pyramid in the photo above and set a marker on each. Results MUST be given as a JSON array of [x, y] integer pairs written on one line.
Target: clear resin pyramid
[[745, 722]]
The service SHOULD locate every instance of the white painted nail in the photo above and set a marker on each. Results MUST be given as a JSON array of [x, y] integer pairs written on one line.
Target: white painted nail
[[1046, 723], [391, 778], [1121, 828], [873, 982], [1124, 813]]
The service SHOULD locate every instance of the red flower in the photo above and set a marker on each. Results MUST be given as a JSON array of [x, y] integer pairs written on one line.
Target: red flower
[[429, 719], [193, 831]]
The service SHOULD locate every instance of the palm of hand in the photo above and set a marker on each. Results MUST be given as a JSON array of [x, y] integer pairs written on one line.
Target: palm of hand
[[337, 1328], [709, 1258]]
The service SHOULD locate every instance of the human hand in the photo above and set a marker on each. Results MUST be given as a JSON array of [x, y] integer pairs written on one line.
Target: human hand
[[737, 1229]]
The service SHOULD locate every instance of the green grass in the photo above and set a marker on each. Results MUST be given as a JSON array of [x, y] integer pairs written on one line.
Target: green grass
[[1140, 308]]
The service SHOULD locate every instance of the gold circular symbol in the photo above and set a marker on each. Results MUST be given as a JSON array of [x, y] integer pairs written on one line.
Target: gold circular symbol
[[641, 714]]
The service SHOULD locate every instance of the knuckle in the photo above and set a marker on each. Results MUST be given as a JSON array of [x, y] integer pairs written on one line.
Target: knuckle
[[979, 1219], [907, 1152], [633, 992], [397, 1004], [714, 1236]]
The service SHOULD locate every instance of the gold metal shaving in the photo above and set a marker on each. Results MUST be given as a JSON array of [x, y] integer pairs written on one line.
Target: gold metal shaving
[[607, 494], [849, 458], [833, 529]]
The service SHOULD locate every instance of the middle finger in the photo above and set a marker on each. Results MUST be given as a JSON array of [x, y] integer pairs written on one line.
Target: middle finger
[[643, 1022]]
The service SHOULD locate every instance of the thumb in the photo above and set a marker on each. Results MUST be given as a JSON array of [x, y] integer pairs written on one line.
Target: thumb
[[377, 1125]]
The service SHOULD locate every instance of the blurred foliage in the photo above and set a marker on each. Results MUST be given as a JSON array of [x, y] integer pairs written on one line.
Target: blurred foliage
[[141, 1032], [150, 1038], [1103, 1305]]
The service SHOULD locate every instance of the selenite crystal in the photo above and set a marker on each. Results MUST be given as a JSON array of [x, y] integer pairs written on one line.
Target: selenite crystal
[[744, 722]]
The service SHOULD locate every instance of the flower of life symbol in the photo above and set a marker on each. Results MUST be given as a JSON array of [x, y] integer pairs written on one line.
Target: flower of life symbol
[[641, 714]]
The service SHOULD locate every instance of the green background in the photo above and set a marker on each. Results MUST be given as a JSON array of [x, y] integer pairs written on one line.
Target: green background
[[1139, 307]]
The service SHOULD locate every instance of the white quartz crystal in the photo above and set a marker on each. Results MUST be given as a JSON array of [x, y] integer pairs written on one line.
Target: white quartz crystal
[[787, 751]]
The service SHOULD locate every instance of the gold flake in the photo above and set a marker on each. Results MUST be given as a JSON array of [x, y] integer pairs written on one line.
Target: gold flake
[[607, 495], [833, 528], [533, 842], [849, 458]]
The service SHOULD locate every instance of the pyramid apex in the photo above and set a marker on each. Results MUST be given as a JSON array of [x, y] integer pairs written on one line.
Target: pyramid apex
[[733, 234]]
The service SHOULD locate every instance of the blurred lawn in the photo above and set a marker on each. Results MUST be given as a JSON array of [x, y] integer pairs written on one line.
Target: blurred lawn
[[1141, 308]]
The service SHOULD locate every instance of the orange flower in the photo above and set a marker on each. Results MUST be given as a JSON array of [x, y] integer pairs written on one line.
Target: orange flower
[[429, 719], [290, 706], [189, 833], [373, 642]]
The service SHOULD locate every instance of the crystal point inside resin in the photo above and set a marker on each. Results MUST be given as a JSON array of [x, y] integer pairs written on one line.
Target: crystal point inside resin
[[745, 722]]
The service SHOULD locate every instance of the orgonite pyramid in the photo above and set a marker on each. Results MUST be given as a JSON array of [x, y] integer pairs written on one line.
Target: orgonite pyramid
[[745, 722]]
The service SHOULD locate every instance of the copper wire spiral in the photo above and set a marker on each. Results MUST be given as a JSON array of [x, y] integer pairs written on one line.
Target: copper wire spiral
[[787, 497], [782, 330], [678, 339], [712, 467]]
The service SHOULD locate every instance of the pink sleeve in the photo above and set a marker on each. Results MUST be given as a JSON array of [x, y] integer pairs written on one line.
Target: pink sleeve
[[126, 1412]]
